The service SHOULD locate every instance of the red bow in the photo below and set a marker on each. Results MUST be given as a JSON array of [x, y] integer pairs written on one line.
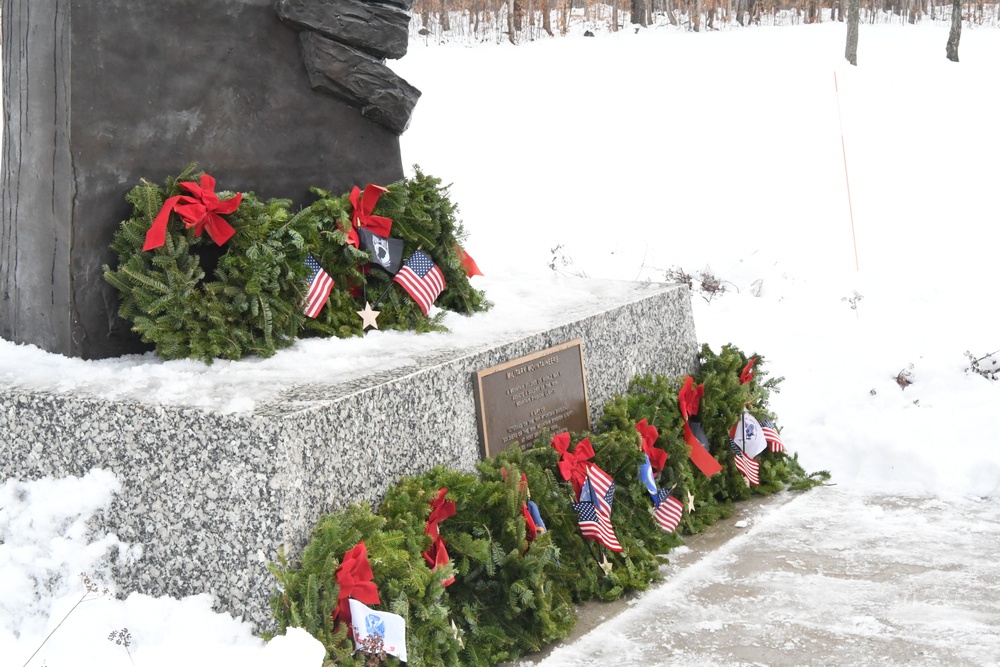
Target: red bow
[[361, 216], [437, 555], [657, 457], [471, 268], [573, 466], [747, 373], [354, 580], [202, 211], [689, 397]]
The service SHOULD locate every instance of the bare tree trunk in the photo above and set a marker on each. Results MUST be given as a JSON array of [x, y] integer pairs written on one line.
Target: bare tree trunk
[[445, 22], [840, 10], [696, 16], [671, 12], [853, 14], [639, 13], [510, 22], [546, 17], [955, 33]]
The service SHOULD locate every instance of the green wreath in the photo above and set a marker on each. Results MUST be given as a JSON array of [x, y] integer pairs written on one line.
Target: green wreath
[[425, 218], [194, 299]]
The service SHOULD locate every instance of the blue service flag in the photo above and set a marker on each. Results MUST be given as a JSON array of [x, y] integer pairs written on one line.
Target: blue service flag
[[536, 516], [646, 477]]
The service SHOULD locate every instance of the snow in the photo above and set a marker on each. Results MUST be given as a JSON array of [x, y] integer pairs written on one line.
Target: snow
[[621, 157]]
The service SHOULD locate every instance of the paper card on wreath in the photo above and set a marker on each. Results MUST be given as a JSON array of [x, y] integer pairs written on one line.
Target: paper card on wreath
[[391, 627]]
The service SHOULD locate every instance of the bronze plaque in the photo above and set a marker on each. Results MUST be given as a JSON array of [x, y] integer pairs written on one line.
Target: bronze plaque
[[545, 390]]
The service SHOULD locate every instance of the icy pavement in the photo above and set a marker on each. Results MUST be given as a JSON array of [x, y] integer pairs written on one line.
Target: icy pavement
[[828, 577]]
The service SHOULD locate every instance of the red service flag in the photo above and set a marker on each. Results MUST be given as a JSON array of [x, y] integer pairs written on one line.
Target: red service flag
[[700, 457], [471, 268]]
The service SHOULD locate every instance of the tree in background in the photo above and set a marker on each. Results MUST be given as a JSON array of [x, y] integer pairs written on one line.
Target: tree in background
[[640, 14], [853, 15], [955, 33], [519, 21]]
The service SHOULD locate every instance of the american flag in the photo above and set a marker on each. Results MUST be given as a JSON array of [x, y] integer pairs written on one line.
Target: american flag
[[320, 284], [770, 432], [669, 512], [594, 508], [421, 279], [746, 465]]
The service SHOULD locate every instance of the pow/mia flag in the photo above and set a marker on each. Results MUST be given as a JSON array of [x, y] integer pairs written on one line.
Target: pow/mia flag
[[387, 253]]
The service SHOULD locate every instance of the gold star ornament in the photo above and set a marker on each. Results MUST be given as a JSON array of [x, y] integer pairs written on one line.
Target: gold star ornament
[[368, 317]]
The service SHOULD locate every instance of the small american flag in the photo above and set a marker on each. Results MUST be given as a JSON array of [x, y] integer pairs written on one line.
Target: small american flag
[[594, 508], [669, 512], [746, 465], [770, 432], [421, 279], [320, 284]]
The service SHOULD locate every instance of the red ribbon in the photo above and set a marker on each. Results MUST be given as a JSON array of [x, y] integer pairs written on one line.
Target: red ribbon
[[437, 555], [362, 216], [657, 457], [688, 399], [746, 375], [471, 268], [573, 465], [202, 211], [354, 580]]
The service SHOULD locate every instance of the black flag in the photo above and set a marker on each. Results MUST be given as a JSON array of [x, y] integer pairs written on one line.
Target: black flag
[[387, 253]]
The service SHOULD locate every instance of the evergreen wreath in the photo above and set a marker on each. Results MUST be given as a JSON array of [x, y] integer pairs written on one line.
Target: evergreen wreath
[[425, 219], [192, 298]]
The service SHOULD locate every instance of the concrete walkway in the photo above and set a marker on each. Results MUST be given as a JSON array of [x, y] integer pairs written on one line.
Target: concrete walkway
[[828, 577]]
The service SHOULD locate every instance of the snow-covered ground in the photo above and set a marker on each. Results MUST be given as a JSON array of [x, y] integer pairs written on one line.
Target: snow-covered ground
[[622, 157]]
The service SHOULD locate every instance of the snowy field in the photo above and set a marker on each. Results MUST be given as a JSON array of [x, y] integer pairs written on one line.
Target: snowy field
[[623, 157]]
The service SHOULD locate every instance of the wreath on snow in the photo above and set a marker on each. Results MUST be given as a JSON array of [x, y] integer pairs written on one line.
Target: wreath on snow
[[205, 274]]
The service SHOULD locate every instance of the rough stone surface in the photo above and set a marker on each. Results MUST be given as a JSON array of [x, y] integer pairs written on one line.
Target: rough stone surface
[[100, 94], [350, 75], [377, 29], [211, 496]]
